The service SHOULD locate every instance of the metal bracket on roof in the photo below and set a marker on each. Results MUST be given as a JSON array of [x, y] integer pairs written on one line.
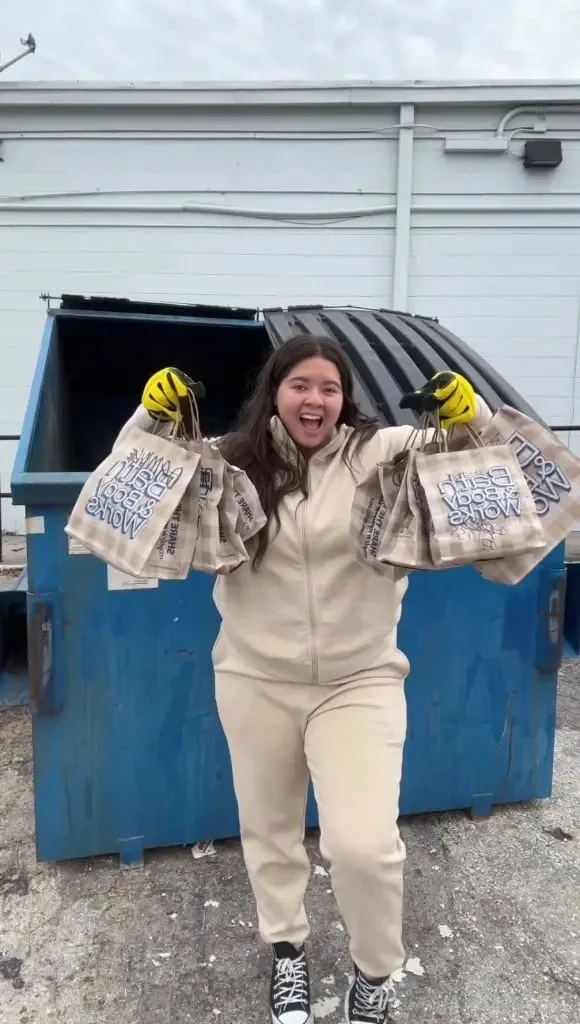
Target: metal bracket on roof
[[48, 298]]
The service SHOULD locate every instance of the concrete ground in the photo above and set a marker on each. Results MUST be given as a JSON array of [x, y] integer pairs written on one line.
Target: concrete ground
[[13, 550], [492, 917]]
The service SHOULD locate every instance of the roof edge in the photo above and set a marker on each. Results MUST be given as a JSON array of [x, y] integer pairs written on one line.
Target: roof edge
[[295, 94]]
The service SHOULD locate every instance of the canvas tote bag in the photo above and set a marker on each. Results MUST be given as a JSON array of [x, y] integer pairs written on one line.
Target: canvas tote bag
[[552, 473], [127, 501], [478, 505]]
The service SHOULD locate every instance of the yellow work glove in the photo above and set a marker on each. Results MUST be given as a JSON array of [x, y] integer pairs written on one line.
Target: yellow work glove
[[167, 396], [448, 393]]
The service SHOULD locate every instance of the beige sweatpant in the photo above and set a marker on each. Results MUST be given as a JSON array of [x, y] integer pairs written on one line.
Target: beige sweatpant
[[350, 738]]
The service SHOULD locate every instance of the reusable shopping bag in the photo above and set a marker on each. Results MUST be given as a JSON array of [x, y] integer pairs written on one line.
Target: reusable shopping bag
[[552, 474], [444, 508], [231, 548], [240, 518], [369, 515], [405, 539], [173, 552], [384, 520], [477, 505], [250, 515], [127, 501]]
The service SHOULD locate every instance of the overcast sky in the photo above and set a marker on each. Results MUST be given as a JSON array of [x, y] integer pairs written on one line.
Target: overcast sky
[[292, 39]]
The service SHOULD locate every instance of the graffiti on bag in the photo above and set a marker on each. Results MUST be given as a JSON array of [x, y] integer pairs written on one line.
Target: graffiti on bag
[[126, 497], [205, 481], [373, 526], [245, 514], [167, 543], [480, 498], [544, 477]]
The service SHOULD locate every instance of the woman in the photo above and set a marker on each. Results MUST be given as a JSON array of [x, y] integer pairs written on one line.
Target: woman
[[309, 679]]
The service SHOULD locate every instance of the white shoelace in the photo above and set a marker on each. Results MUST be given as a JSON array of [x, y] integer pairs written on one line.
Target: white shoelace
[[291, 984], [371, 1001]]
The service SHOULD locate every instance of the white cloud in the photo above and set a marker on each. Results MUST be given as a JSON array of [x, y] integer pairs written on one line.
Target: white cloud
[[293, 39]]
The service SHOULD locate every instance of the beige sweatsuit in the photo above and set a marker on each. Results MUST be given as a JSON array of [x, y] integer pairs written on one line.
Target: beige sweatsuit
[[310, 682]]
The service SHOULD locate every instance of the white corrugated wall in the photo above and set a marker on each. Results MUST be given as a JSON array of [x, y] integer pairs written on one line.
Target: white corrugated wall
[[495, 251], [187, 216]]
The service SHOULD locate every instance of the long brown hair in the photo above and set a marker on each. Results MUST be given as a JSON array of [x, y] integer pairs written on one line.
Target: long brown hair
[[251, 447]]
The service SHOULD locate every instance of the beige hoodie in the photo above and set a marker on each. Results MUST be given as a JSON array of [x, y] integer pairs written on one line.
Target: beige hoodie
[[312, 613]]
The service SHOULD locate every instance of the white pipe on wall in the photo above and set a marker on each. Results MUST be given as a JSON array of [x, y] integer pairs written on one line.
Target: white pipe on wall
[[404, 203], [540, 109], [485, 205]]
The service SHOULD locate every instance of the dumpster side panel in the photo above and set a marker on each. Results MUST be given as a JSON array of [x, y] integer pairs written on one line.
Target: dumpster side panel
[[481, 713], [45, 441], [131, 754]]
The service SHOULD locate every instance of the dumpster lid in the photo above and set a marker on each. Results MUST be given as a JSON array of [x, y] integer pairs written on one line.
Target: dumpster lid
[[392, 353], [108, 304]]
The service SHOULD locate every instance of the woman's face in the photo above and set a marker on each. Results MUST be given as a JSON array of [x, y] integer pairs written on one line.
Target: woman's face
[[309, 402]]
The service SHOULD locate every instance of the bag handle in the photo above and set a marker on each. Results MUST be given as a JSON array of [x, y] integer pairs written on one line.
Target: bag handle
[[178, 430], [430, 421], [443, 437], [473, 434], [196, 434], [423, 425]]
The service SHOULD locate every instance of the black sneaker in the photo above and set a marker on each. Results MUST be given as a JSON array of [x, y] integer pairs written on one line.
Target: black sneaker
[[290, 986], [367, 1001]]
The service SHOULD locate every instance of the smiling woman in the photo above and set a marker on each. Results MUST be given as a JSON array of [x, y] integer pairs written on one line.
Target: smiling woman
[[309, 678], [304, 392]]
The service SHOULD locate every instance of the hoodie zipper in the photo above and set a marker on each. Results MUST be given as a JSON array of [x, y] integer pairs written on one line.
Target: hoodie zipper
[[309, 593]]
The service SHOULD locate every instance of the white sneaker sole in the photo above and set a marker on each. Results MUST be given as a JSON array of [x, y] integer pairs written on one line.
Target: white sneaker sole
[[276, 1020], [346, 1002]]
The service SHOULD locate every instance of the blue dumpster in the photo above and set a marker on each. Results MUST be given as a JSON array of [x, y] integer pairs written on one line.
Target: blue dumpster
[[128, 750]]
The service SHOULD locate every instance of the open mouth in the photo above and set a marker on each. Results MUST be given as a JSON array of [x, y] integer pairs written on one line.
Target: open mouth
[[310, 422]]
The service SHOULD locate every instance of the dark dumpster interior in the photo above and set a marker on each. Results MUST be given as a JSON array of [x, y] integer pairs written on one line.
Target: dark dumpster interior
[[99, 363], [13, 643]]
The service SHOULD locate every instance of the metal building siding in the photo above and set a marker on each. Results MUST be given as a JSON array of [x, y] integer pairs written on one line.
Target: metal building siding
[[495, 250], [128, 213]]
